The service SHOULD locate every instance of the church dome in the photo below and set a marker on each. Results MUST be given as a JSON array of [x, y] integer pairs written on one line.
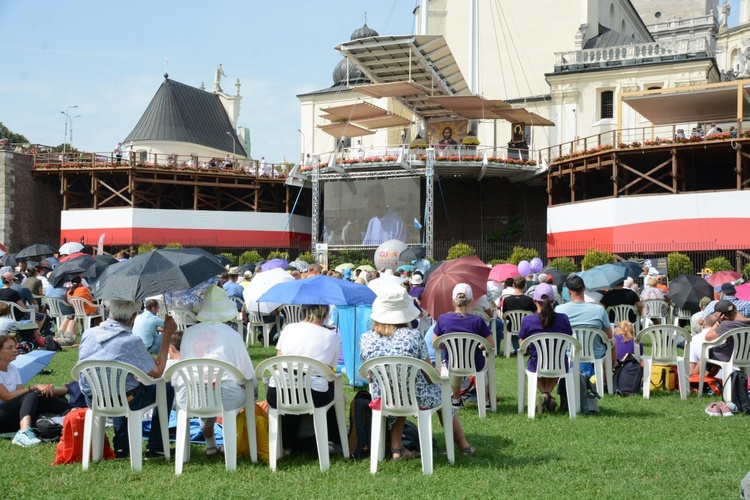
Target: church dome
[[355, 75], [363, 32]]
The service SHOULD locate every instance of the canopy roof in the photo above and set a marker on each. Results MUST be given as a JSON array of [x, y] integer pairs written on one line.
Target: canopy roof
[[358, 111], [345, 129], [394, 89], [712, 102]]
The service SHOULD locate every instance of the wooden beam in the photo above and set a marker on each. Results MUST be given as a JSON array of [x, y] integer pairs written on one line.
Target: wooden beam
[[647, 176]]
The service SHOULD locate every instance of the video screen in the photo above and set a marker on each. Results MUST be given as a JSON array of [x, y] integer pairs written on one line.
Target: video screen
[[369, 212]]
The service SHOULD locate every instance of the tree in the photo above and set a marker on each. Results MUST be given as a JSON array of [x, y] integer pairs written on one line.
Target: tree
[[146, 247], [173, 245], [5, 133], [460, 250], [307, 257], [231, 257], [522, 253], [678, 264], [250, 257], [718, 264], [278, 255], [595, 258], [564, 264]]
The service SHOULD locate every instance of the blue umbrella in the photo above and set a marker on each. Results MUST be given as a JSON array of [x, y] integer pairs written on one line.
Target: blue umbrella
[[604, 276], [322, 290], [632, 269], [32, 363], [406, 267]]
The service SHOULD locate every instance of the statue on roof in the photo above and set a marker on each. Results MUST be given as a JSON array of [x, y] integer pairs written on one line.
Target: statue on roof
[[724, 10], [217, 78]]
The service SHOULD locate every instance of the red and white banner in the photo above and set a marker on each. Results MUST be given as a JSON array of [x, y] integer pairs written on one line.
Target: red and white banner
[[650, 223]]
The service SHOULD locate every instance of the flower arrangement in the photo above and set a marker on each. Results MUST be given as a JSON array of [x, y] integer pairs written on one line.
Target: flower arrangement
[[470, 140], [719, 137]]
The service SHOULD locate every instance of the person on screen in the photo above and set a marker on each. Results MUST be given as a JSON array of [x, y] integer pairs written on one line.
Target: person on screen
[[385, 224]]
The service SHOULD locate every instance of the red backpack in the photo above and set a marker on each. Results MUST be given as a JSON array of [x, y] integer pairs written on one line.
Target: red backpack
[[70, 448]]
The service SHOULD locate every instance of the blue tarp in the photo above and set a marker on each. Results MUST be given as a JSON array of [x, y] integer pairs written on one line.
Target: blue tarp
[[352, 322]]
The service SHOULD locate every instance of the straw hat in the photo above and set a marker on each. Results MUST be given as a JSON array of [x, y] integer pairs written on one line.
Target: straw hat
[[216, 307], [394, 307]]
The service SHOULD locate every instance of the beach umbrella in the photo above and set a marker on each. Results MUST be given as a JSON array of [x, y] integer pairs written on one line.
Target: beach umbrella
[[438, 293], [604, 276], [385, 282], [322, 290], [225, 261], [186, 298], [411, 255], [66, 271], [632, 269], [300, 265], [157, 272], [501, 272], [405, 267], [10, 260], [343, 267], [720, 277], [35, 250], [70, 247], [30, 364], [686, 291], [274, 264], [743, 291], [64, 258], [260, 285], [101, 262]]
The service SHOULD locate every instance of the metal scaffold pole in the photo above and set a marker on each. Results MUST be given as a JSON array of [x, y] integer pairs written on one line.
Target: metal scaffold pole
[[315, 204], [429, 201]]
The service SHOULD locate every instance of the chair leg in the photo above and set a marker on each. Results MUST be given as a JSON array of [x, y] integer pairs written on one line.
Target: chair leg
[[424, 421], [609, 374], [647, 378], [135, 433], [87, 438], [98, 425], [507, 344], [251, 431], [321, 437], [531, 394], [341, 422], [571, 380], [521, 386], [682, 377], [377, 440], [273, 438], [481, 387], [599, 373], [230, 439], [492, 390], [182, 445], [701, 375], [450, 445]]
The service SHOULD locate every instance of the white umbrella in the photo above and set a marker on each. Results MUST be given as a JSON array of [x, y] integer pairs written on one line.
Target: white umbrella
[[384, 283], [260, 285], [70, 247]]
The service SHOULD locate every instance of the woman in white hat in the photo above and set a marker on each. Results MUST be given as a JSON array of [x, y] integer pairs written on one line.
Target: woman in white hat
[[391, 335], [461, 321], [310, 338]]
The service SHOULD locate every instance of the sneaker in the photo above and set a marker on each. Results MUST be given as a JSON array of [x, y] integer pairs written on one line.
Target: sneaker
[[551, 405], [726, 411], [334, 449], [122, 454], [458, 404], [714, 410], [26, 438], [155, 455]]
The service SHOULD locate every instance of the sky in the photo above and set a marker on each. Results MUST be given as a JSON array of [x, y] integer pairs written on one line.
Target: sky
[[106, 57]]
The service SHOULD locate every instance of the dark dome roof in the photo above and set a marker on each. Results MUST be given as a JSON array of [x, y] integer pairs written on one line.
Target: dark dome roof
[[355, 75], [363, 32]]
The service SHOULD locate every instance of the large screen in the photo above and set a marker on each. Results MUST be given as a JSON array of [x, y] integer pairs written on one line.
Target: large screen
[[369, 212]]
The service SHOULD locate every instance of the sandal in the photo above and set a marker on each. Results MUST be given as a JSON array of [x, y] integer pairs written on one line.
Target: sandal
[[545, 402], [400, 454], [214, 450], [468, 451], [551, 405]]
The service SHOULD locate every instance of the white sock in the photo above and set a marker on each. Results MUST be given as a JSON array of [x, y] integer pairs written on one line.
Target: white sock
[[211, 442]]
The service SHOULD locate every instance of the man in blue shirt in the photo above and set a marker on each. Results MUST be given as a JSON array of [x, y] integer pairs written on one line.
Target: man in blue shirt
[[231, 287], [148, 326]]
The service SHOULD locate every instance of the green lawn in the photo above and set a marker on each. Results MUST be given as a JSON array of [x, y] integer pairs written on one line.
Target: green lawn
[[657, 448]]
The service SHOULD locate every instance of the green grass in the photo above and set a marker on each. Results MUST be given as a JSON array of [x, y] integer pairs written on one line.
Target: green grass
[[658, 448]]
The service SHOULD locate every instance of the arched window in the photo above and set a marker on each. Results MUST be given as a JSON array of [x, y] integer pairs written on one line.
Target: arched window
[[612, 14], [622, 27]]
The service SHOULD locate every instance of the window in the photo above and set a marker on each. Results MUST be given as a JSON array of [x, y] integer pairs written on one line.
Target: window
[[607, 104]]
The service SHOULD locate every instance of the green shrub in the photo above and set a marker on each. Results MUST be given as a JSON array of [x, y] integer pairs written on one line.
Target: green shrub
[[460, 250], [146, 247], [495, 262], [231, 257], [678, 264], [307, 257], [522, 253], [353, 256], [564, 264], [595, 258], [174, 245], [250, 257], [718, 264], [278, 255]]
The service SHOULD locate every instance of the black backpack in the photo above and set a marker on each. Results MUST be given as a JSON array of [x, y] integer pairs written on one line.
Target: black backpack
[[587, 395], [360, 425], [738, 381], [628, 379]]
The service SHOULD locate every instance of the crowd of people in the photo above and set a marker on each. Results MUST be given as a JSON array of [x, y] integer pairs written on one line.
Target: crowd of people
[[141, 334]]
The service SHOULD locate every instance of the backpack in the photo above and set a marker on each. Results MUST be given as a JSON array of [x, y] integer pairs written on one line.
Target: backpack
[[663, 377], [50, 428], [628, 378], [587, 395], [70, 448], [738, 381], [360, 425]]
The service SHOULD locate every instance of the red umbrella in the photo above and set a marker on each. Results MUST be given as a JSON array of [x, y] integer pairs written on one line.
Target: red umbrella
[[63, 258], [438, 294], [721, 277], [501, 272], [743, 291]]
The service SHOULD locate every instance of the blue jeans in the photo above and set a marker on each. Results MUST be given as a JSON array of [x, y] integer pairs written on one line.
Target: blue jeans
[[142, 396]]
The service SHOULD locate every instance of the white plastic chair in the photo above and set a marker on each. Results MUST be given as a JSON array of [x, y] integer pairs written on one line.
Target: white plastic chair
[[663, 340], [740, 358], [655, 309], [461, 348], [55, 312], [183, 318], [623, 312], [202, 379], [255, 319], [586, 336], [79, 305], [292, 377], [550, 352], [13, 306], [682, 315], [241, 304], [512, 320], [396, 377], [292, 313], [108, 399]]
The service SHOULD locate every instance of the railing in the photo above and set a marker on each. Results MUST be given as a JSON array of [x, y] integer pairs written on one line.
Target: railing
[[651, 135], [630, 54], [706, 21]]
